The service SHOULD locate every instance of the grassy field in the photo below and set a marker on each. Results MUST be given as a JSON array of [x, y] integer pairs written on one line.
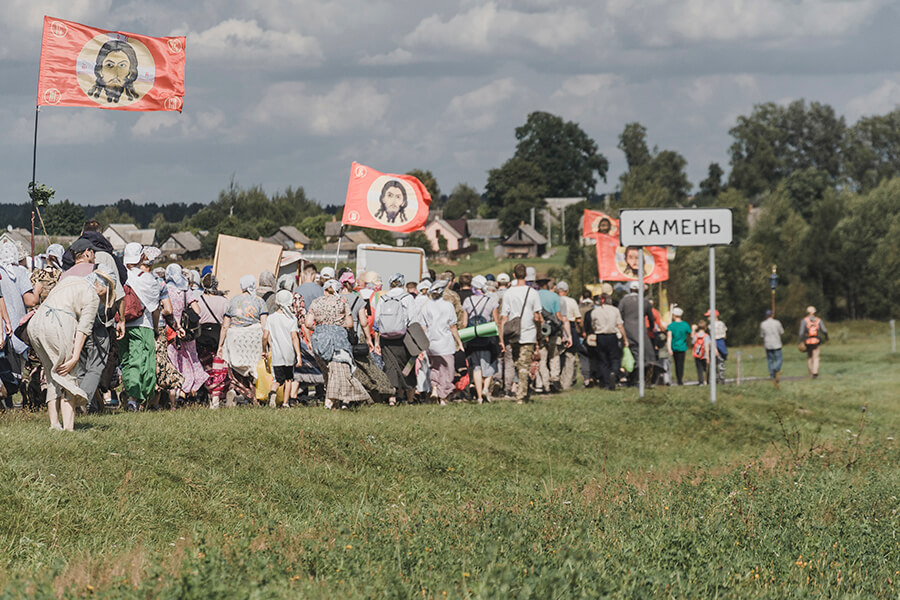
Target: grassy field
[[770, 493]]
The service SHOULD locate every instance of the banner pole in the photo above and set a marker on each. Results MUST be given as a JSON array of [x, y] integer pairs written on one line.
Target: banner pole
[[37, 112], [338, 252], [711, 376], [641, 332]]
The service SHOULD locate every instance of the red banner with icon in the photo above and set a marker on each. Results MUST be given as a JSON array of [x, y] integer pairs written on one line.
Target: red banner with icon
[[599, 223], [618, 263], [85, 66], [384, 201]]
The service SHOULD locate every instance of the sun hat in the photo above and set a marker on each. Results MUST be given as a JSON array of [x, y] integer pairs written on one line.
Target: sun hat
[[132, 253]]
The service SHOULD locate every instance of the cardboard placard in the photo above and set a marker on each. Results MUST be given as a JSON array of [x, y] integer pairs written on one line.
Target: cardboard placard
[[236, 257]]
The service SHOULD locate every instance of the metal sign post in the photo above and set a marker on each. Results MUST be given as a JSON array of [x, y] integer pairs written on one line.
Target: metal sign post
[[641, 333], [678, 227], [713, 346]]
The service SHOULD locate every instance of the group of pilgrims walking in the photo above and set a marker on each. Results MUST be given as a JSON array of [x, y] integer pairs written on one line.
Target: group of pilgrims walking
[[88, 330]]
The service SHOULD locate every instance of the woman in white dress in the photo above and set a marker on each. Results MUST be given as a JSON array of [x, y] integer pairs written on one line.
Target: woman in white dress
[[57, 332]]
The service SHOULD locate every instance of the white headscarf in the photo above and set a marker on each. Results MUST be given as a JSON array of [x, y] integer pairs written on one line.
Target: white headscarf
[[333, 285], [9, 258], [248, 284], [175, 276], [284, 299]]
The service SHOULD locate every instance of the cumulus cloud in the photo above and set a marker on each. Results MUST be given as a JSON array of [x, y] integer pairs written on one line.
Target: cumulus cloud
[[168, 126], [489, 28], [24, 20], [601, 100], [879, 101], [668, 22], [477, 110], [245, 40], [398, 56], [348, 106], [66, 127]]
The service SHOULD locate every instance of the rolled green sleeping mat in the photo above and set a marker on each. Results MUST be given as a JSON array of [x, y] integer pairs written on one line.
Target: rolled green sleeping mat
[[483, 330]]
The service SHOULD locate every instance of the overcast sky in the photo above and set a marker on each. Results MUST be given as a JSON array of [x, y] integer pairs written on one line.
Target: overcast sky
[[290, 92]]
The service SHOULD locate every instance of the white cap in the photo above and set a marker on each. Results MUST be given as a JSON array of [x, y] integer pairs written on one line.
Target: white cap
[[562, 285], [132, 253], [327, 273], [478, 282], [502, 278], [424, 285], [634, 286], [677, 312], [530, 274]]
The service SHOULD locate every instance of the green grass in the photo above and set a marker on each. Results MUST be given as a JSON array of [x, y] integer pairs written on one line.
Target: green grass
[[770, 493]]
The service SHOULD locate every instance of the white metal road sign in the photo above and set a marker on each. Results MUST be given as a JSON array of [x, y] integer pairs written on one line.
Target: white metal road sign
[[675, 227]]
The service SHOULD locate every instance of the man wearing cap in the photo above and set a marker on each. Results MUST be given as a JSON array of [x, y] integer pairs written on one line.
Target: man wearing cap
[[520, 301], [771, 330], [502, 286], [92, 232], [453, 298], [83, 252], [630, 307], [137, 339], [607, 326], [678, 339], [568, 307]]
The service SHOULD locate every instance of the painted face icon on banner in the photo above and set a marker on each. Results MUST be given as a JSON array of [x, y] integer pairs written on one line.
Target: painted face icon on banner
[[115, 69], [605, 226], [392, 201], [627, 261]]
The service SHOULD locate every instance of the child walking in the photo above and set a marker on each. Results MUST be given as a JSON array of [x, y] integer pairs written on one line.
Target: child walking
[[282, 342], [700, 351]]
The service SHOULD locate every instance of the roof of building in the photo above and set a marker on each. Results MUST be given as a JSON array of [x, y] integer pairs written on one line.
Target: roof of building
[[528, 232], [187, 240], [130, 233], [455, 227], [294, 234], [333, 228], [484, 228]]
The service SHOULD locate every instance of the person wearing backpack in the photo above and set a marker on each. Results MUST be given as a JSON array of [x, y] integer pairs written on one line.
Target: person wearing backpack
[[392, 314], [550, 345], [812, 334], [520, 318], [700, 351], [482, 352], [182, 349]]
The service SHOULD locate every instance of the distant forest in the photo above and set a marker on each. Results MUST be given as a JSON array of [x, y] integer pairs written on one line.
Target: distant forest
[[19, 215]]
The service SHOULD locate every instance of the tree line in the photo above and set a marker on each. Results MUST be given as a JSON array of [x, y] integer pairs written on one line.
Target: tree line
[[821, 196]]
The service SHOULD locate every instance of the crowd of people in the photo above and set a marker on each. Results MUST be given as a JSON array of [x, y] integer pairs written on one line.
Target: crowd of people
[[106, 331]]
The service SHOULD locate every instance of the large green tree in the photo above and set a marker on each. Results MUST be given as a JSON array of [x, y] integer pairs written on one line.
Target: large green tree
[[654, 178], [464, 202], [872, 150], [566, 156], [775, 141], [63, 218]]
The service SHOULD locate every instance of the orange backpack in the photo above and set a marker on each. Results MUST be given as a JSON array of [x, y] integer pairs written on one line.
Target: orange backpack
[[699, 342], [812, 331]]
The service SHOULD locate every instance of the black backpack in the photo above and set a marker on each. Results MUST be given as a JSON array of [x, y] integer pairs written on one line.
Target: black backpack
[[190, 322]]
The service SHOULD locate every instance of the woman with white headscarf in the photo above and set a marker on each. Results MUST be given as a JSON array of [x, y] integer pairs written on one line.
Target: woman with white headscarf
[[329, 318], [183, 354], [18, 293], [240, 343], [57, 332]]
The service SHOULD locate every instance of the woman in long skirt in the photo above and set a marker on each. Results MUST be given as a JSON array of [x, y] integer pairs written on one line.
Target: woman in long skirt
[[183, 354], [57, 332]]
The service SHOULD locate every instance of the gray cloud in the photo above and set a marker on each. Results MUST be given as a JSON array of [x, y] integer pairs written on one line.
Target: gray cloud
[[282, 93]]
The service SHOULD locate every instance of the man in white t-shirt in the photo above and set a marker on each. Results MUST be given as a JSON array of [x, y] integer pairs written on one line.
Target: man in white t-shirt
[[522, 302]]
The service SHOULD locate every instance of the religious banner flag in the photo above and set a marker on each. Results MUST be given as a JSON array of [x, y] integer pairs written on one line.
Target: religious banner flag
[[618, 263], [384, 201], [596, 222], [85, 66]]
